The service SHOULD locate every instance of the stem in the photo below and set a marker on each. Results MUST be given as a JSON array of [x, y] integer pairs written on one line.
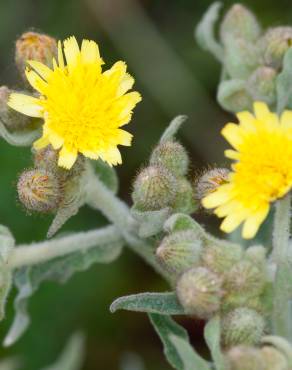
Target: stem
[[26, 255], [281, 310]]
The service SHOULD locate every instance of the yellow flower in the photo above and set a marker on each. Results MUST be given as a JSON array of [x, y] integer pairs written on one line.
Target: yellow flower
[[262, 172], [83, 108]]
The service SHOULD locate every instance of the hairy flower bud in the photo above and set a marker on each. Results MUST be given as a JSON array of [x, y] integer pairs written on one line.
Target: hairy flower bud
[[154, 188], [199, 292], [221, 257], [34, 46], [39, 190], [12, 120], [171, 155], [245, 278], [239, 22], [245, 358], [256, 254], [274, 359], [233, 96], [261, 85], [179, 251], [242, 326], [184, 201], [236, 300], [274, 45], [209, 182]]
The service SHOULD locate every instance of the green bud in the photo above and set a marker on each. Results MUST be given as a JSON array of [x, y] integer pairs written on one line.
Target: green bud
[[171, 155], [179, 251], [261, 84], [221, 257], [199, 291], [245, 278], [239, 22], [184, 201], [12, 120], [232, 301], [242, 326], [209, 181], [181, 222], [245, 358], [40, 190], [233, 96], [274, 45], [274, 359], [256, 254], [154, 188], [34, 46]]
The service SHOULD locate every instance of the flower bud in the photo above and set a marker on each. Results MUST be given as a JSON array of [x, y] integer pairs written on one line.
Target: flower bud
[[233, 96], [46, 158], [40, 190], [12, 120], [184, 201], [245, 278], [242, 326], [245, 358], [199, 292], [256, 254], [261, 85], [274, 45], [210, 181], [34, 46], [171, 155], [179, 251], [221, 257], [232, 301], [239, 22], [274, 359], [154, 189]]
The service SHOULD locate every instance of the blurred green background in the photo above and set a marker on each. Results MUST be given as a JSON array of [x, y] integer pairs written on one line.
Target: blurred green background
[[155, 37]]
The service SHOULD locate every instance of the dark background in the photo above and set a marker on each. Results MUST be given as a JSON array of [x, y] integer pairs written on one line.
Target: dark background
[[155, 37]]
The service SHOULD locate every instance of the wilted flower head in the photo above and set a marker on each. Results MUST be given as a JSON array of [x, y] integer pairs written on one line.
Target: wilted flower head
[[83, 107], [262, 172]]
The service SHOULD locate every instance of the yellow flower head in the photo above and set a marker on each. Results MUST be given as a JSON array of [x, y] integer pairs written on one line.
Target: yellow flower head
[[83, 107], [262, 172]]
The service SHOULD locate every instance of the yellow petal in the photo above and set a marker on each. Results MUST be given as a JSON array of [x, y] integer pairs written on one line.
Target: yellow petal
[[286, 119], [124, 137], [67, 157], [233, 134], [41, 143], [41, 69], [90, 52], [56, 140], [218, 197], [25, 104], [126, 84], [261, 110], [60, 55], [231, 222], [71, 50], [112, 156], [128, 102], [247, 120], [36, 81], [232, 154], [253, 223]]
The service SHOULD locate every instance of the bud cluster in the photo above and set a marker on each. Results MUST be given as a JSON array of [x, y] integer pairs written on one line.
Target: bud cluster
[[164, 183], [215, 276], [252, 60]]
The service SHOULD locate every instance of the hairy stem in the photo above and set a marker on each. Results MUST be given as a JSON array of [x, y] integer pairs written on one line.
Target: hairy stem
[[25, 255], [281, 310]]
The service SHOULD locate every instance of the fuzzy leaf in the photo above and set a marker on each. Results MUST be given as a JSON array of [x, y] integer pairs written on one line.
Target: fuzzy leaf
[[150, 222], [284, 83], [176, 345], [107, 175], [179, 222], [20, 138], [205, 31], [162, 303], [28, 280], [72, 356], [212, 337], [172, 129]]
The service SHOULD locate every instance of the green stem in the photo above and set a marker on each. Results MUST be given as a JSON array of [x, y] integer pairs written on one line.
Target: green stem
[[281, 311]]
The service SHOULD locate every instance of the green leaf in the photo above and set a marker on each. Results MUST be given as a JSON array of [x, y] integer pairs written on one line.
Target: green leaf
[[162, 303], [212, 337], [176, 344], [9, 364], [28, 280], [172, 129], [21, 138], [284, 83], [72, 356], [107, 175], [179, 222], [205, 32]]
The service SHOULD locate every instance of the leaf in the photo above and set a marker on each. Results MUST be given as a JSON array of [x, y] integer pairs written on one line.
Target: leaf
[[212, 337], [107, 175], [150, 222], [72, 356], [176, 344], [179, 222], [9, 364], [190, 359], [28, 280], [20, 138], [205, 32], [172, 129], [281, 344], [162, 303], [233, 96], [284, 83]]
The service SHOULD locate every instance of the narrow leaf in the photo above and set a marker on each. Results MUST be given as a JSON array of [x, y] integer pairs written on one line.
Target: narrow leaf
[[212, 337], [205, 32], [284, 83], [150, 223], [21, 138], [172, 129], [160, 303]]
